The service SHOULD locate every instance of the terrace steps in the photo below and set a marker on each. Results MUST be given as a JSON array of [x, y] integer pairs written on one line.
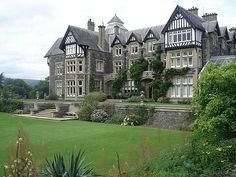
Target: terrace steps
[[45, 113]]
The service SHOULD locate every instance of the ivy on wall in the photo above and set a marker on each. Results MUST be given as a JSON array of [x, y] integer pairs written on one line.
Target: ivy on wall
[[118, 82], [136, 71], [92, 87]]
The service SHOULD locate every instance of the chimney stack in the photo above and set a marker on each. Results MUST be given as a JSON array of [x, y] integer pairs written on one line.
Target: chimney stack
[[233, 29], [193, 10], [210, 16], [116, 30], [101, 36], [91, 25]]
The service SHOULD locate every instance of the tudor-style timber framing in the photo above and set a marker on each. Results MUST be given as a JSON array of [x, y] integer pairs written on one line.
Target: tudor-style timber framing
[[186, 40]]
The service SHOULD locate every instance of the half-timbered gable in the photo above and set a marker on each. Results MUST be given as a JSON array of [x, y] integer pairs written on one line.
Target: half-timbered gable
[[183, 29]]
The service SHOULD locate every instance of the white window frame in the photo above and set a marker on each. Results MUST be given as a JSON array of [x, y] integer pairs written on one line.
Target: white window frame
[[70, 49], [117, 66], [179, 36], [99, 65], [80, 66], [58, 68], [80, 88], [70, 66], [58, 87], [70, 88], [118, 51], [134, 49]]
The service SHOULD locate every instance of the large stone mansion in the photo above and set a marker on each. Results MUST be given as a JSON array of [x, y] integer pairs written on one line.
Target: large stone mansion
[[187, 40]]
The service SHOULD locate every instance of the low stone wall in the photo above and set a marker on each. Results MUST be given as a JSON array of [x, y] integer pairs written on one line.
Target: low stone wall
[[164, 118]]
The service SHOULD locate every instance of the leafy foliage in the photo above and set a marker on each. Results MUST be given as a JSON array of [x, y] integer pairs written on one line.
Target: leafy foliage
[[10, 105], [75, 168], [119, 81], [170, 73], [99, 115], [15, 88], [136, 71], [43, 88], [92, 87], [89, 104]]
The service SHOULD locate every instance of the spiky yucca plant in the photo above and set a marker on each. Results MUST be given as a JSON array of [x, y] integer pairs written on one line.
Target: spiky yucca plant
[[75, 168]]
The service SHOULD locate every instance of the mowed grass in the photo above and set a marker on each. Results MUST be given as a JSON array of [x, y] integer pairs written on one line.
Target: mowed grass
[[100, 141]]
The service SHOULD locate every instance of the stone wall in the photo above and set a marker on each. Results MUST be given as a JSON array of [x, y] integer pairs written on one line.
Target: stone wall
[[164, 118]]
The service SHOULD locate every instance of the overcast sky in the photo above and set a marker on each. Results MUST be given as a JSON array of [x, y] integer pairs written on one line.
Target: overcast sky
[[28, 28]]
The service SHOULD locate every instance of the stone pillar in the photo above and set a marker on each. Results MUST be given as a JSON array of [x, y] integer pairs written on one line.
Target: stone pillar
[[90, 25]]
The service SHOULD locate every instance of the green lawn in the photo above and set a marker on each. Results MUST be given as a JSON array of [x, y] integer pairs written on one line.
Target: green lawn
[[100, 141]]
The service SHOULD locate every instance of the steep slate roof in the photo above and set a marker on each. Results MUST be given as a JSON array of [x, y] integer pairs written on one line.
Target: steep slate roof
[[115, 19], [194, 20], [83, 37], [54, 50], [140, 34], [211, 26], [231, 35], [224, 32]]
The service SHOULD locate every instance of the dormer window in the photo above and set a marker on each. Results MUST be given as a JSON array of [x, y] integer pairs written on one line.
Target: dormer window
[[132, 39], [118, 51], [70, 49], [179, 36], [134, 49], [151, 46]]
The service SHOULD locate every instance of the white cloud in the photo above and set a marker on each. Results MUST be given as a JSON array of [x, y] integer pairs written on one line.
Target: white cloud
[[29, 28]]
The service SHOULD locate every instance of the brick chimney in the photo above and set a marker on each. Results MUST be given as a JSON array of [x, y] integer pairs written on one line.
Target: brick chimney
[[193, 10], [90, 25], [210, 16], [101, 36], [116, 30]]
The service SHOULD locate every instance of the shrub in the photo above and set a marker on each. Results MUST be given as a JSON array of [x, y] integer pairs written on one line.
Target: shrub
[[134, 120], [116, 119], [164, 100], [10, 105], [99, 115], [187, 101], [108, 107], [95, 97], [85, 112], [134, 99], [89, 104], [52, 97]]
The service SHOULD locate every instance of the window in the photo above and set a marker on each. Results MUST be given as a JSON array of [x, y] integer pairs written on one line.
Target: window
[[187, 87], [117, 66], [151, 46], [187, 59], [70, 88], [129, 86], [100, 65], [118, 51], [80, 51], [58, 88], [176, 89], [175, 61], [80, 66], [70, 66], [58, 68], [179, 36], [134, 49], [80, 88], [70, 49]]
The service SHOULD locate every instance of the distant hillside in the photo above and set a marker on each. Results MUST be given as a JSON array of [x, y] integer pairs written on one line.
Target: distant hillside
[[31, 82]]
